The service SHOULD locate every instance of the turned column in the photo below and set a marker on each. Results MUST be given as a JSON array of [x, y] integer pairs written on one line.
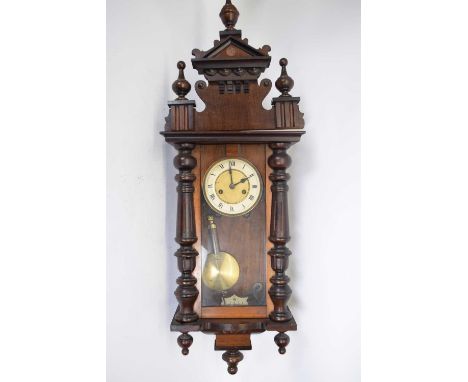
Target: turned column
[[279, 291], [186, 292]]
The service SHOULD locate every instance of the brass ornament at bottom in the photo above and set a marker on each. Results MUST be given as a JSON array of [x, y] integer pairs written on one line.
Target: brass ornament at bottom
[[221, 271]]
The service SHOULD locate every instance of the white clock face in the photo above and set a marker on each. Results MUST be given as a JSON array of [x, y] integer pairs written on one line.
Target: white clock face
[[232, 186]]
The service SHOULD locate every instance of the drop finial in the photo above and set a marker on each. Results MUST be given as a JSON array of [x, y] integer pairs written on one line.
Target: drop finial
[[229, 15], [181, 86], [284, 83]]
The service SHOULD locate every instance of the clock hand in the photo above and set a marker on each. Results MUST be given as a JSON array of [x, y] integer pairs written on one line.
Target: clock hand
[[243, 180], [231, 186]]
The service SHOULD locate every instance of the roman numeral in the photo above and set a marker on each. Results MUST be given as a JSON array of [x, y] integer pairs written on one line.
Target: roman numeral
[[212, 196], [253, 186], [251, 197], [221, 165], [232, 163]]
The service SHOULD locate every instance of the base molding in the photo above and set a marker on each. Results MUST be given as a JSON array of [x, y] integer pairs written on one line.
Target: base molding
[[233, 335]]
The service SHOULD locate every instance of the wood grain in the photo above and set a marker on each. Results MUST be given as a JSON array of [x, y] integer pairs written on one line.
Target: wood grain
[[279, 291], [233, 341], [234, 312], [234, 111], [244, 237], [269, 244], [197, 209], [186, 291]]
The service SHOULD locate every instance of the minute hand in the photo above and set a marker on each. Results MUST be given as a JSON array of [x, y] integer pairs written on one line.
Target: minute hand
[[243, 180], [230, 175]]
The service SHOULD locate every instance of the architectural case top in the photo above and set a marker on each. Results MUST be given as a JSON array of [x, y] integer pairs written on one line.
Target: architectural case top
[[233, 94]]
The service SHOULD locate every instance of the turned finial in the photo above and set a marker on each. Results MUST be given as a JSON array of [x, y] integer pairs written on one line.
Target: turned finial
[[229, 15], [181, 86], [284, 83]]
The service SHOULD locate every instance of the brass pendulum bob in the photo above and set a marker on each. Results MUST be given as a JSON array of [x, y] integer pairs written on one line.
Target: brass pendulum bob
[[221, 270]]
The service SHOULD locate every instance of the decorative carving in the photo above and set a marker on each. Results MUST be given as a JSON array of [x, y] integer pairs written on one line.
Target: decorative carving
[[229, 15], [240, 107], [185, 340], [284, 83], [287, 113], [186, 291], [231, 45], [264, 49], [232, 357], [282, 340], [233, 87], [180, 116], [279, 291], [181, 86], [235, 300], [233, 326], [234, 334], [266, 83], [231, 56]]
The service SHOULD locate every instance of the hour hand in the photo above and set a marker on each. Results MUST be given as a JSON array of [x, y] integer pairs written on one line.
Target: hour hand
[[243, 180]]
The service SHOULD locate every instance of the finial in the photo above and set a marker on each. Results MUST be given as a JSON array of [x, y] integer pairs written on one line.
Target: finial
[[229, 15], [181, 86], [284, 83]]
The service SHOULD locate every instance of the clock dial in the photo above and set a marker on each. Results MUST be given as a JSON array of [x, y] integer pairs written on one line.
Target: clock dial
[[232, 186]]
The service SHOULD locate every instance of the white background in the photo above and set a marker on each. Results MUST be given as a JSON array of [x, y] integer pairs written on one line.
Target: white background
[[145, 41], [414, 187]]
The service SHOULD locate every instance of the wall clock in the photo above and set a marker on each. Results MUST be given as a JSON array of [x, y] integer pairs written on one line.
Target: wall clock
[[232, 208]]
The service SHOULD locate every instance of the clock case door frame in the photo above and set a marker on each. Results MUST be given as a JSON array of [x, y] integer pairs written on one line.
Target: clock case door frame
[[243, 151]]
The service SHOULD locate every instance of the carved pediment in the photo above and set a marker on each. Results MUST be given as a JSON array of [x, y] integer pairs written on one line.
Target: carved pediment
[[234, 49], [233, 96], [230, 49], [232, 46], [231, 58]]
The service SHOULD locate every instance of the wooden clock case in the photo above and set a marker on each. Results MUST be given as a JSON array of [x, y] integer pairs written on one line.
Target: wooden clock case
[[233, 123]]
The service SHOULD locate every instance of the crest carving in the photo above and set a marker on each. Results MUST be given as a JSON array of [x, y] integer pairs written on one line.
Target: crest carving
[[232, 92]]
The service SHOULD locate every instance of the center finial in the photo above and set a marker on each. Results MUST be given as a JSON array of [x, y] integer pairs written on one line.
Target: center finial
[[229, 15]]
